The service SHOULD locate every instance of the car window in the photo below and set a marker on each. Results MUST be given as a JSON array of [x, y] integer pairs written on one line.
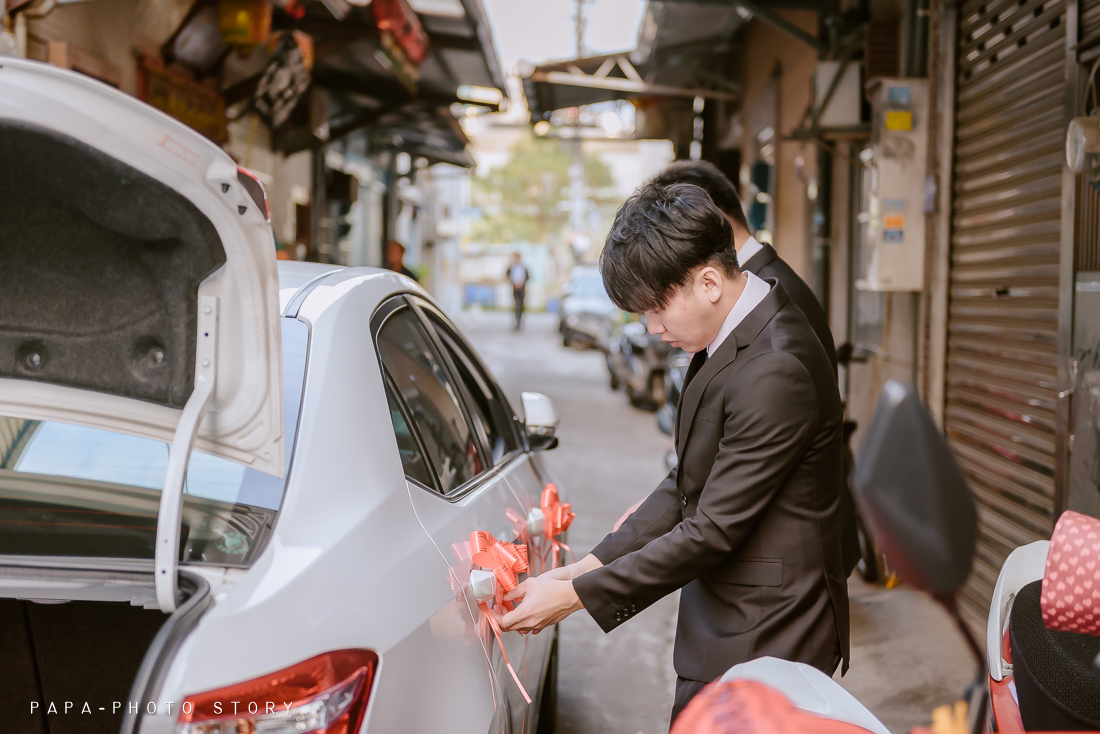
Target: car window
[[431, 399], [490, 411], [412, 459], [73, 490]]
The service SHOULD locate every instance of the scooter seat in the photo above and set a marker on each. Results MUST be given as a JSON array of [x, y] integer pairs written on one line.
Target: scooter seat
[[1057, 682]]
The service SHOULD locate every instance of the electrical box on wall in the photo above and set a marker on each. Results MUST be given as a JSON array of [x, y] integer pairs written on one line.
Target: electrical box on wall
[[893, 257]]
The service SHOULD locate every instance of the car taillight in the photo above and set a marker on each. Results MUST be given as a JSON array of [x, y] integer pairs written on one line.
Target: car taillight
[[255, 189], [324, 695]]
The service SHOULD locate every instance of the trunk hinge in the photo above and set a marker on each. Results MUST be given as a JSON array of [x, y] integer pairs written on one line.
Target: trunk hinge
[[166, 556]]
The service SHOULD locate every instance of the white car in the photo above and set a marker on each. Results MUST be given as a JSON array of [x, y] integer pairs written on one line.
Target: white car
[[235, 496]]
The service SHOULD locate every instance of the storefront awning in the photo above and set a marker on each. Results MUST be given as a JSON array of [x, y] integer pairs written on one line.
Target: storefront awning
[[681, 51]]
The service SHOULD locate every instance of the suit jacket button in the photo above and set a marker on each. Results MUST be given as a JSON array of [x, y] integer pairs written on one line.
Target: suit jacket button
[[684, 500]]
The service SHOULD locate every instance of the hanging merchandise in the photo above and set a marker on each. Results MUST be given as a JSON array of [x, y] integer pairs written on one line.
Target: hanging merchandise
[[285, 79], [404, 42], [244, 22]]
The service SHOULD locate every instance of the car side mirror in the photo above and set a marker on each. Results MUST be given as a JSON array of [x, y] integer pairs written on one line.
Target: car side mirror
[[914, 496], [541, 420]]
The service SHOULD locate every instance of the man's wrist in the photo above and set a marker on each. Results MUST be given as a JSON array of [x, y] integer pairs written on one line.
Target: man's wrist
[[586, 564], [577, 604]]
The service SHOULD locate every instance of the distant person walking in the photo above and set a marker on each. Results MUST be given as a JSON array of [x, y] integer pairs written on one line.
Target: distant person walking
[[395, 259], [517, 275]]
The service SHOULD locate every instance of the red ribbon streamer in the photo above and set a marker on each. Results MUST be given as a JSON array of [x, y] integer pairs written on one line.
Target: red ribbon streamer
[[558, 517], [506, 561]]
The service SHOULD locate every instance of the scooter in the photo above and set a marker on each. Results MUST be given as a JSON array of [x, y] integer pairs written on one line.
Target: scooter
[[923, 516]]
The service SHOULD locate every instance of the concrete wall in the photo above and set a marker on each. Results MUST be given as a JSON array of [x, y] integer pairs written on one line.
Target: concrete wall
[[111, 30], [778, 72]]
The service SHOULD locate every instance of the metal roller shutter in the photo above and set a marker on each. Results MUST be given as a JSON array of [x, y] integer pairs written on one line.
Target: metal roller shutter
[[1003, 300]]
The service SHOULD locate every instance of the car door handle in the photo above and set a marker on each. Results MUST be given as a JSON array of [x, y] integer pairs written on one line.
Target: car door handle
[[482, 585]]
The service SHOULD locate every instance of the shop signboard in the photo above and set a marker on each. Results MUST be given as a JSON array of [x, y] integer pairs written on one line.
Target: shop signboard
[[197, 106]]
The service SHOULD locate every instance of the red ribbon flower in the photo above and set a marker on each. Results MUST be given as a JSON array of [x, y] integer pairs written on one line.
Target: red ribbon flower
[[506, 561], [559, 516]]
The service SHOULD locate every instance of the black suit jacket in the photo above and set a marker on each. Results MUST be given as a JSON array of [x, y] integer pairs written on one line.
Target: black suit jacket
[[747, 525], [767, 264]]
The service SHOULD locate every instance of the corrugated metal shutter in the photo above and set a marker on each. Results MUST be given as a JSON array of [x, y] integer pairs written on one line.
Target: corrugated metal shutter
[[1003, 303], [1087, 232], [1089, 23]]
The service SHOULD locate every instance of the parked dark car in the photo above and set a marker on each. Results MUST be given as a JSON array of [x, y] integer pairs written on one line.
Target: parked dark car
[[586, 311], [637, 361], [675, 374]]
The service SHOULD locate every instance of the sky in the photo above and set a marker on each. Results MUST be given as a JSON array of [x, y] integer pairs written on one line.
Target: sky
[[543, 30]]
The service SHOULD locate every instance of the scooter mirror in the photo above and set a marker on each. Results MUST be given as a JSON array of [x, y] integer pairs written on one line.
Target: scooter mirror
[[913, 495]]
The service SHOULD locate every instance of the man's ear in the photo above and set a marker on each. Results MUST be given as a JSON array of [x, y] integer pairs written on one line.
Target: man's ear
[[713, 282]]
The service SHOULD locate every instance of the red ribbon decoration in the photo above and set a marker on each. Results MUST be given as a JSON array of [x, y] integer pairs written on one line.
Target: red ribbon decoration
[[558, 517], [506, 561]]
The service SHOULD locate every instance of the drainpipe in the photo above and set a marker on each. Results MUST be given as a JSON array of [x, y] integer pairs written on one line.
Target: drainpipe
[[914, 41]]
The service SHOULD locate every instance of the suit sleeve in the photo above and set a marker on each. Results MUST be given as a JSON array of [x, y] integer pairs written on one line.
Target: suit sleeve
[[658, 514], [770, 411]]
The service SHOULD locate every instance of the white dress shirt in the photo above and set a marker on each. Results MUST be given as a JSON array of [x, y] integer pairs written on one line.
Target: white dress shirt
[[755, 290], [750, 248]]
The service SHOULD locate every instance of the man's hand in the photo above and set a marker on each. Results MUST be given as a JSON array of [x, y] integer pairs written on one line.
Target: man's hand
[[545, 602]]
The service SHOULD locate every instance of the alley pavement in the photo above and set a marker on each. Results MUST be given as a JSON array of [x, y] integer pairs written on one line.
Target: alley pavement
[[906, 656]]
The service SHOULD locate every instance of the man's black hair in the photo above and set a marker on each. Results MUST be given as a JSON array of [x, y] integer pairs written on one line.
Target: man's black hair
[[660, 236], [706, 176]]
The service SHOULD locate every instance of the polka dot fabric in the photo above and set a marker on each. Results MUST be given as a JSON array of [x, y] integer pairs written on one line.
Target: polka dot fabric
[[1070, 597]]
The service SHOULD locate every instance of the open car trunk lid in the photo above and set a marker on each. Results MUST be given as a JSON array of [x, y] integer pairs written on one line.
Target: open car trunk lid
[[139, 289]]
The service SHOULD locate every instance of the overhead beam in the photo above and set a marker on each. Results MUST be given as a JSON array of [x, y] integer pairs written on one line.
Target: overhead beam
[[630, 86], [768, 16]]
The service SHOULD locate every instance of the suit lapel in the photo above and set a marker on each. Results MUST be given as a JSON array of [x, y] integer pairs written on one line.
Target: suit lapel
[[757, 262], [743, 335], [697, 361]]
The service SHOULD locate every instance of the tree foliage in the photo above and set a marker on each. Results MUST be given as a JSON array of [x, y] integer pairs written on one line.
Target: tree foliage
[[527, 199]]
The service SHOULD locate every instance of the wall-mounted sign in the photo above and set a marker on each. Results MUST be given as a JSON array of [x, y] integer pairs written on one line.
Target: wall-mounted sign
[[195, 105]]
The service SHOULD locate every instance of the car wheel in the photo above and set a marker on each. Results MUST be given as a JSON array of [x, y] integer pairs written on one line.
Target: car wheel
[[614, 381], [548, 706], [566, 337], [657, 388], [641, 400]]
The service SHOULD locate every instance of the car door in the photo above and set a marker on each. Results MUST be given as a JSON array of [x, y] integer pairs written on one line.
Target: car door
[[503, 431], [455, 488]]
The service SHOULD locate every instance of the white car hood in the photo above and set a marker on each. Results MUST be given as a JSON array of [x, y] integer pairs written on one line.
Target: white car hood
[[116, 222]]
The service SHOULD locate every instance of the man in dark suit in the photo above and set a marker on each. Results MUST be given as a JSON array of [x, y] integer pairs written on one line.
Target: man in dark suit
[[747, 525]]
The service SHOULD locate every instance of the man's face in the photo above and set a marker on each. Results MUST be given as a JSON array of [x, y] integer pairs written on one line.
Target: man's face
[[692, 318]]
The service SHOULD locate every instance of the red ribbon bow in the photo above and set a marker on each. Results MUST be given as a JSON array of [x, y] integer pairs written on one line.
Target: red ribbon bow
[[558, 517], [506, 561]]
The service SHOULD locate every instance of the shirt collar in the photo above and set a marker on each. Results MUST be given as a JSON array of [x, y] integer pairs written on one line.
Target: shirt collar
[[755, 291], [750, 248]]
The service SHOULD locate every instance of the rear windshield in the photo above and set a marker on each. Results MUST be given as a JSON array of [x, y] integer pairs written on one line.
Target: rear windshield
[[69, 490]]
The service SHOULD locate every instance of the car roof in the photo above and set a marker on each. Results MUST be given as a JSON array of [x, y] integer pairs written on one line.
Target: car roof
[[298, 279]]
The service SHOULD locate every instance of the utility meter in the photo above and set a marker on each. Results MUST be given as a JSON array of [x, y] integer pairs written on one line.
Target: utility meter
[[894, 253]]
